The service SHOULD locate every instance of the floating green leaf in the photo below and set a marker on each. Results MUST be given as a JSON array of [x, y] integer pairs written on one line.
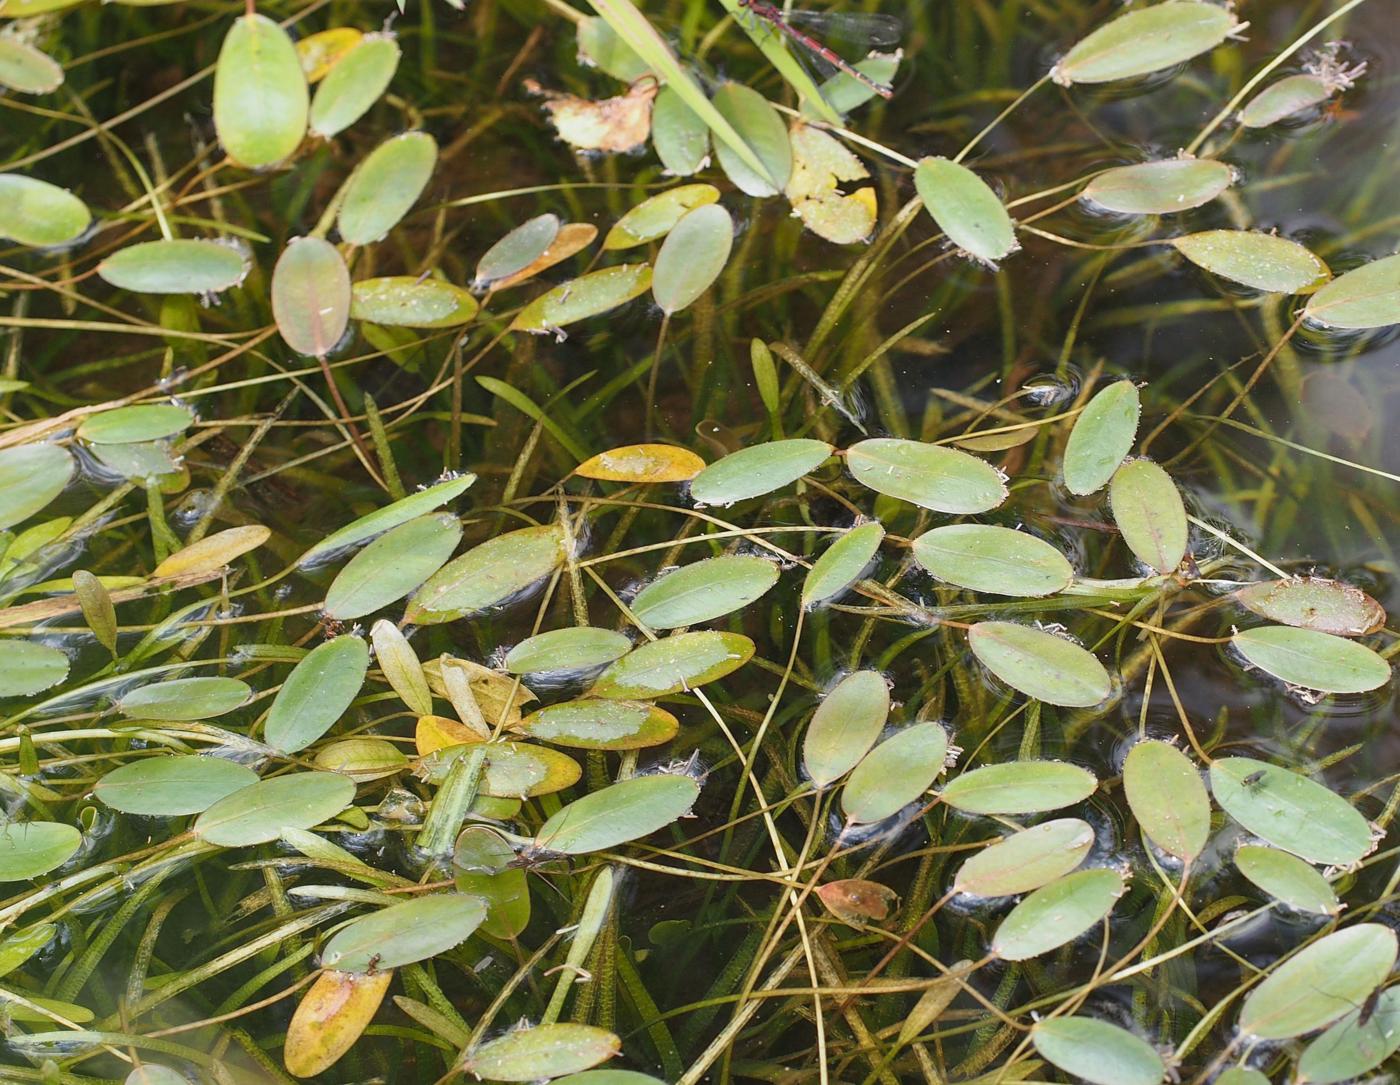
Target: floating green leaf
[[1102, 437], [38, 214], [1146, 40], [1167, 797], [845, 726], [895, 773], [361, 759], [175, 267], [763, 131], [404, 933], [655, 216], [544, 1051], [1319, 983], [1148, 510], [1312, 660], [1262, 261], [520, 248], [407, 301], [1288, 878], [31, 848], [31, 476], [393, 565], [599, 45], [512, 769], [704, 590], [842, 563], [618, 813], [355, 82], [260, 95], [1365, 297], [386, 183], [381, 520], [481, 860], [679, 135], [1351, 1048], [317, 693], [692, 257], [129, 424], [573, 649], [1040, 664], [1241, 1075], [258, 813], [966, 209], [589, 295], [1314, 602], [938, 478], [1290, 95], [185, 699], [1159, 188], [999, 560], [1290, 811], [488, 575], [1098, 1052], [758, 470], [671, 664], [311, 296], [173, 784], [601, 724], [25, 69], [1019, 787], [1026, 860], [26, 668], [1056, 914]]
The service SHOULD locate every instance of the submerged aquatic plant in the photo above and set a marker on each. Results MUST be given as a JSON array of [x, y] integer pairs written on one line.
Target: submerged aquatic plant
[[780, 640]]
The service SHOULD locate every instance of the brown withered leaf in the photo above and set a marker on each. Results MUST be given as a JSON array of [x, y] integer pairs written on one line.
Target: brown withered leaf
[[857, 902], [613, 125]]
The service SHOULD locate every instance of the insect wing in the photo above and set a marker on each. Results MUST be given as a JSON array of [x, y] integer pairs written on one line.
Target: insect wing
[[852, 27]]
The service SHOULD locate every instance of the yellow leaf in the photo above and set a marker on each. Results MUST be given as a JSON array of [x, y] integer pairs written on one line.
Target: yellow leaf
[[330, 1018], [214, 552], [319, 52], [643, 463], [499, 696], [819, 162], [435, 733]]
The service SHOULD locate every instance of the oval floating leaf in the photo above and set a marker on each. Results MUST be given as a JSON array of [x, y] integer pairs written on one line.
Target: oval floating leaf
[[999, 560], [31, 848], [1148, 510], [1319, 983], [1287, 878], [654, 217], [1365, 297], [317, 693], [214, 551], [679, 135], [1290, 95], [674, 663], [27, 668], [381, 520], [393, 565], [321, 51], [258, 813], [692, 257], [1098, 1052], [402, 934], [1026, 860], [842, 563], [1019, 787], [25, 69], [1290, 811], [618, 813], [1102, 437], [1167, 797], [1040, 664], [171, 785], [573, 237], [598, 724], [575, 649], [514, 770], [704, 590], [354, 83], [260, 94], [1144, 41], [31, 476], [38, 214], [895, 773], [175, 267], [1241, 1075], [517, 250], [488, 575], [845, 726], [481, 860], [1159, 188], [600, 46], [185, 699], [361, 759], [406, 301], [386, 183], [311, 296], [129, 424], [966, 209], [589, 295], [1312, 660], [1056, 914], [758, 470], [758, 125], [937, 478], [642, 463], [1352, 1048], [544, 1051], [1314, 602], [330, 1017], [858, 902], [1262, 261]]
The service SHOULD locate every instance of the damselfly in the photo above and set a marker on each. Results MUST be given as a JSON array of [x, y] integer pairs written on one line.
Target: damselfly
[[874, 29]]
